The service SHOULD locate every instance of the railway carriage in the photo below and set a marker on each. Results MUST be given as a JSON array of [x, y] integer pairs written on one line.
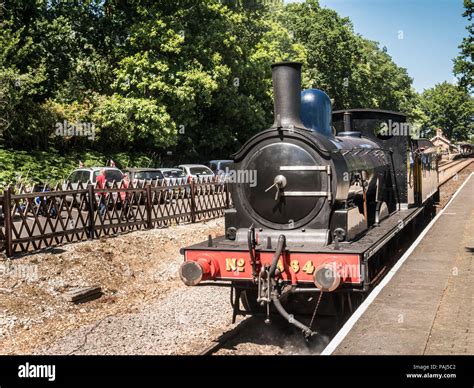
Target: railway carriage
[[336, 193]]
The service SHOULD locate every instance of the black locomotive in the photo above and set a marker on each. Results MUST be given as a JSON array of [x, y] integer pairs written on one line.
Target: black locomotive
[[334, 193]]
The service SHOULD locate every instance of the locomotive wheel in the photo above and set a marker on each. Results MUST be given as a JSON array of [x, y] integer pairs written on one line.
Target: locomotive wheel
[[249, 302]]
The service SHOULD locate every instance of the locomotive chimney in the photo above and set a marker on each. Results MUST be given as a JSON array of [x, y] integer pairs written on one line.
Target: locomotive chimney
[[287, 94]]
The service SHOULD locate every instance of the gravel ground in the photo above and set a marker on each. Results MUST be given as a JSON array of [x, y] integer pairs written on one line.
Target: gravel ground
[[182, 323], [280, 338], [133, 270], [449, 188]]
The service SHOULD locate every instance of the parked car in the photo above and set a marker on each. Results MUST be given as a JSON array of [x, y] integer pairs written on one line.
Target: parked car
[[201, 174], [174, 176], [196, 172], [86, 175], [141, 175]]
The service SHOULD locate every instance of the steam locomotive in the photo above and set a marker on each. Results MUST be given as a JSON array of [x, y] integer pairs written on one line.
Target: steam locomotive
[[336, 193]]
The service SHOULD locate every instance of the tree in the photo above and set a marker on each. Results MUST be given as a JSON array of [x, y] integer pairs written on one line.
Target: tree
[[191, 77], [354, 71], [207, 66], [463, 64], [450, 108], [49, 50]]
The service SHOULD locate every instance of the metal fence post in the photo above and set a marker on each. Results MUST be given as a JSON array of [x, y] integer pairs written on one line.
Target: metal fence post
[[91, 210], [148, 206], [227, 195], [7, 212], [193, 202]]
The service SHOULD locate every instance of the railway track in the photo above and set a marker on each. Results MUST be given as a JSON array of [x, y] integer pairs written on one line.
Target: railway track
[[449, 163], [253, 337], [221, 342], [450, 169]]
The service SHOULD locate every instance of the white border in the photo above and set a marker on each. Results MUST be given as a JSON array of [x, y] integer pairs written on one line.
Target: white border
[[366, 303]]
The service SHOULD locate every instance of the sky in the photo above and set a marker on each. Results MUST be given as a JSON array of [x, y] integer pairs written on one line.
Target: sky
[[421, 35]]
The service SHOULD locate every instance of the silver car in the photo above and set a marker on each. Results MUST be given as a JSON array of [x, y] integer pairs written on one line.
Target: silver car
[[173, 176], [197, 172], [144, 175], [86, 175]]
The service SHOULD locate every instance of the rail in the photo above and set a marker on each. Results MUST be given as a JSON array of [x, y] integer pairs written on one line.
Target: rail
[[448, 170], [228, 336]]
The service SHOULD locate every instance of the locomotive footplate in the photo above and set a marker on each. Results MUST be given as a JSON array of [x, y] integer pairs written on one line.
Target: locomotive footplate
[[229, 260], [366, 245]]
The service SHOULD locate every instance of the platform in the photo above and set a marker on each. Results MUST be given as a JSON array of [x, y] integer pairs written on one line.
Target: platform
[[426, 304]]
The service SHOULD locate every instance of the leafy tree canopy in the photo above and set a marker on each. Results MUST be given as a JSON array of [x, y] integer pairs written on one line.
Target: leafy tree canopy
[[450, 108], [463, 64], [183, 80]]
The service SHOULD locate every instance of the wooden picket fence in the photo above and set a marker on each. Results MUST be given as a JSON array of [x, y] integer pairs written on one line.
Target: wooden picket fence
[[33, 219]]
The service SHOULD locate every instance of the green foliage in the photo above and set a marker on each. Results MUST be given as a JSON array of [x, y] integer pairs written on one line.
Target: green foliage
[[463, 64], [354, 72], [185, 78], [450, 108], [168, 76], [53, 167], [139, 121]]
